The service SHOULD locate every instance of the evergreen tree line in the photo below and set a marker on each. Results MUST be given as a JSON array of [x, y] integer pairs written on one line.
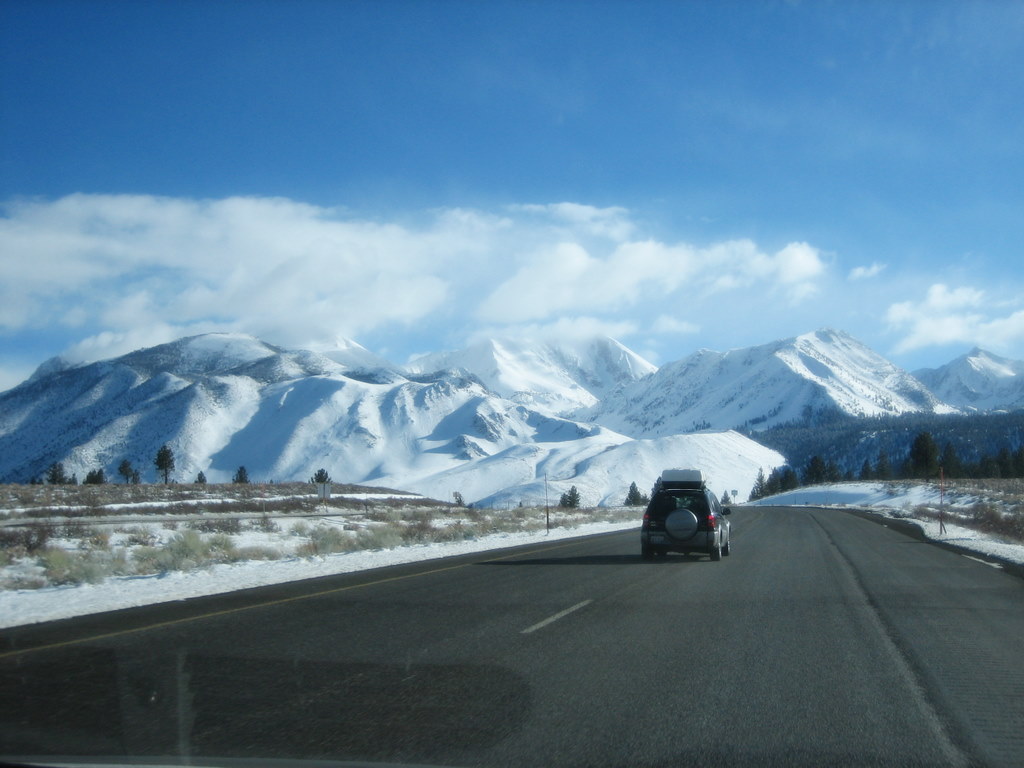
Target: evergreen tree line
[[924, 461], [849, 442], [163, 461]]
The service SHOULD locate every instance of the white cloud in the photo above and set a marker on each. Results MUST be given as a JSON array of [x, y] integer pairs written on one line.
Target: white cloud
[[612, 223], [865, 273], [674, 326], [568, 278], [270, 266], [124, 271], [798, 263], [953, 316], [551, 282], [562, 329]]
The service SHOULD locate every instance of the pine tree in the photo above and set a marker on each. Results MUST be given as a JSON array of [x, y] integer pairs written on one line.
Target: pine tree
[[55, 474], [817, 471], [883, 469], [570, 499], [201, 478], [320, 476], [634, 498], [95, 477], [124, 469], [950, 462], [241, 476], [866, 472], [165, 462], [758, 491], [923, 460]]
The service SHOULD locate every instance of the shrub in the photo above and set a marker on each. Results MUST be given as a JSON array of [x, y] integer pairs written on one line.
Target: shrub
[[21, 581], [258, 553], [264, 524], [137, 536], [186, 550], [224, 525], [324, 540], [63, 567], [147, 560], [220, 548], [29, 538], [384, 537], [420, 529], [95, 539], [986, 517]]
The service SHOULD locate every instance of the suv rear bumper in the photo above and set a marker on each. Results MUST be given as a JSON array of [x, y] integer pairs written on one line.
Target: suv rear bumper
[[702, 541]]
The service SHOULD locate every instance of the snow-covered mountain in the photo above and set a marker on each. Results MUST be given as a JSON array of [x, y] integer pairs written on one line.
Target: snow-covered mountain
[[557, 378], [978, 380], [222, 401], [812, 374]]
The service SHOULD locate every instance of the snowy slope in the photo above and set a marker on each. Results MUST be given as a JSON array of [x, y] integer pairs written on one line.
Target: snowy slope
[[978, 380], [603, 465], [815, 373], [557, 378], [491, 422], [222, 401]]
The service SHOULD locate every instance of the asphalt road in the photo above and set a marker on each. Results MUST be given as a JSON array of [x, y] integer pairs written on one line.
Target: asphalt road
[[825, 639]]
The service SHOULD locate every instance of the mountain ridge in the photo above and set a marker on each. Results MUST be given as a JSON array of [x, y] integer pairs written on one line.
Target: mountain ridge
[[496, 435], [756, 387], [978, 380], [226, 400]]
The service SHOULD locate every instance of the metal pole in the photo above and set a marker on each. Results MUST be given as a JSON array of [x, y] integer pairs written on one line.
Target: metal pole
[[547, 509], [942, 500]]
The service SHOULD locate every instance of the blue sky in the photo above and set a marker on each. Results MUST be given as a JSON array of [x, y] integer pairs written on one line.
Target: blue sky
[[413, 175]]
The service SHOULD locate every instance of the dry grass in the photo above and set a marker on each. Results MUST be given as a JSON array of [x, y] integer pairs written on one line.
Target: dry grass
[[985, 517], [64, 538]]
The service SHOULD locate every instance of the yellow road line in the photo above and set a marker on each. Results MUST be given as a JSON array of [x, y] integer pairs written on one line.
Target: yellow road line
[[266, 604]]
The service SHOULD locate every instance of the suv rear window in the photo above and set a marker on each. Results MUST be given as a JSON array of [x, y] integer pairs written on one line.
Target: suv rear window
[[671, 500]]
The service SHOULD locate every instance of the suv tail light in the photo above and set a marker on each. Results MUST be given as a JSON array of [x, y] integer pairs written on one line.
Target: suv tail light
[[712, 523]]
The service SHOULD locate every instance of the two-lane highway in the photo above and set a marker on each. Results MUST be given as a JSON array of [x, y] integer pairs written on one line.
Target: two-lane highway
[[825, 639]]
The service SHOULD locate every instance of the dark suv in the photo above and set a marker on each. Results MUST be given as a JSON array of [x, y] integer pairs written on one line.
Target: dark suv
[[684, 516]]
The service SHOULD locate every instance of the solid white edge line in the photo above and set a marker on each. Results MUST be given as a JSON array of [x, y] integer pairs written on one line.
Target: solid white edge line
[[984, 562], [556, 617]]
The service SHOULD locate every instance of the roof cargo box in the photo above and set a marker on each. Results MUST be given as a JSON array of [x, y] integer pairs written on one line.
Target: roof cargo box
[[682, 478]]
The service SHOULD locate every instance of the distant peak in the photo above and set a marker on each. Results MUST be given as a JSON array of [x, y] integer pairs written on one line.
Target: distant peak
[[831, 335], [52, 366]]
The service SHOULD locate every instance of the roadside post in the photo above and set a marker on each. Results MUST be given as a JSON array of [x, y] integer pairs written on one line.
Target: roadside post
[[942, 500], [323, 492], [547, 509]]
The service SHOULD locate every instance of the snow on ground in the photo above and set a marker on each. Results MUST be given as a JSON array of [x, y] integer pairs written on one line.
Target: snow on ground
[[29, 606], [898, 501]]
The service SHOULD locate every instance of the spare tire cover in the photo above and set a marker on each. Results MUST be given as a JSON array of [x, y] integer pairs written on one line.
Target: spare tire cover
[[681, 524]]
